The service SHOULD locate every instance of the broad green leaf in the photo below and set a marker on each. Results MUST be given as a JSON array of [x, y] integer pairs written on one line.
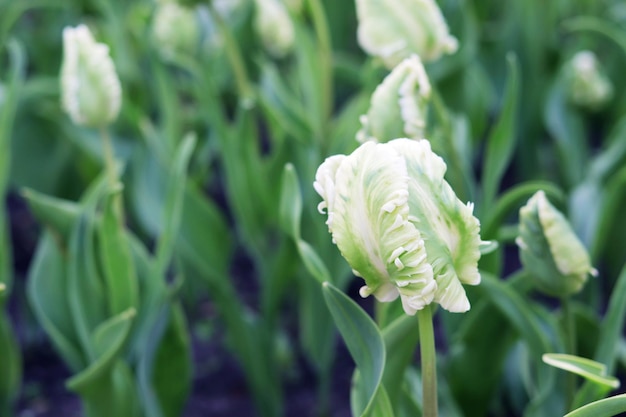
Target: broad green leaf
[[312, 261], [502, 140], [364, 342], [48, 297], [165, 367], [567, 128], [116, 259], [8, 108], [86, 294], [57, 214], [106, 385], [290, 208], [108, 341], [174, 201], [610, 333], [590, 370], [607, 407]]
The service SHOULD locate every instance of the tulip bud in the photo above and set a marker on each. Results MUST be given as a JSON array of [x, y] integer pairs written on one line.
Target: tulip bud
[[393, 30], [274, 26], [399, 104], [294, 6], [90, 89], [175, 30], [549, 249], [588, 86], [399, 224]]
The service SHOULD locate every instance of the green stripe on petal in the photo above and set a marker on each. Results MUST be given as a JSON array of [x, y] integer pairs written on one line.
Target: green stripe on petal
[[449, 229]]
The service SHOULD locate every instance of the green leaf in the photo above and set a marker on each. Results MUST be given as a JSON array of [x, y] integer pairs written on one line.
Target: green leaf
[[8, 108], [165, 366], [106, 385], [116, 258], [10, 364], [607, 407], [363, 340], [55, 213], [502, 140], [568, 130], [590, 370], [290, 208], [48, 297], [174, 201], [313, 262], [610, 334], [108, 340]]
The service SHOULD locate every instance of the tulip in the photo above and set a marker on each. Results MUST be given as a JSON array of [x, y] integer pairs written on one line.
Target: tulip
[[399, 104], [399, 224], [395, 29], [175, 30], [588, 86], [90, 89], [550, 250], [274, 26]]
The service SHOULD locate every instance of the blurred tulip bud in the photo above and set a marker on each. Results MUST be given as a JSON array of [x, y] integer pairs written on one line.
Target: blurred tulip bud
[[399, 104], [393, 30], [175, 30], [549, 249], [90, 89], [588, 86], [273, 24], [294, 6], [399, 224]]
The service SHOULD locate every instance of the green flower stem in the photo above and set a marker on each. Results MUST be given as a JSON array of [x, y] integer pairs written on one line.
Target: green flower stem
[[111, 170], [569, 332], [236, 60], [429, 362]]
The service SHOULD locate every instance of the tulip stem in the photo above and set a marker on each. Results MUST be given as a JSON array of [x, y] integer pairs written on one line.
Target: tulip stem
[[569, 332], [111, 170], [246, 94], [429, 362]]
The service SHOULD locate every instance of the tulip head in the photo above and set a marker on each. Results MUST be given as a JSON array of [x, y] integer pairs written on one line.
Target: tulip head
[[395, 29], [549, 249], [273, 24], [90, 89], [399, 105], [399, 224], [175, 30], [588, 85]]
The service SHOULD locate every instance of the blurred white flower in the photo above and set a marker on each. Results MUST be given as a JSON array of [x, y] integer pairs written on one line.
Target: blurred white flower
[[398, 107], [90, 89], [399, 224], [273, 24], [588, 86], [394, 29], [549, 249], [175, 30]]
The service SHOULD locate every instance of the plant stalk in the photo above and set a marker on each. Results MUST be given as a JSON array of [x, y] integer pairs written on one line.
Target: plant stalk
[[429, 362], [111, 171], [569, 332]]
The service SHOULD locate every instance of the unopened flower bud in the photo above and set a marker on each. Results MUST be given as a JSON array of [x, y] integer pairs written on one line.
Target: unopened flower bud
[[175, 30], [399, 104], [273, 24], [588, 85], [399, 224], [393, 30], [90, 88], [549, 249], [294, 6]]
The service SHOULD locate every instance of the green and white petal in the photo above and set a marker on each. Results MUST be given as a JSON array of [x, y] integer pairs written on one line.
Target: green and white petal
[[368, 217], [399, 104], [392, 30], [448, 227]]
